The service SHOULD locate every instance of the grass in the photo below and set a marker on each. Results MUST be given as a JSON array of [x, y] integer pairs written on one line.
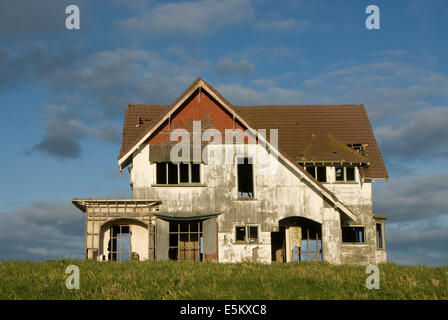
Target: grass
[[206, 280]]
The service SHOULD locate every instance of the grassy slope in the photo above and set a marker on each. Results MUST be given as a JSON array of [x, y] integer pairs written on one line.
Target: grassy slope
[[186, 280]]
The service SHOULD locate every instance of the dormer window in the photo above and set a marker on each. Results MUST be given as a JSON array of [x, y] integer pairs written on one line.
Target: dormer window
[[359, 148]]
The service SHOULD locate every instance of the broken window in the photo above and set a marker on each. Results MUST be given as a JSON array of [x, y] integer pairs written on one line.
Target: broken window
[[353, 234], [185, 240], [357, 147], [245, 178], [379, 236], [246, 234], [240, 233], [120, 243], [319, 173], [161, 173], [170, 173], [345, 174]]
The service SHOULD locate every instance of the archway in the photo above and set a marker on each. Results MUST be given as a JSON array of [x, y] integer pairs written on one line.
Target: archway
[[298, 239], [124, 239]]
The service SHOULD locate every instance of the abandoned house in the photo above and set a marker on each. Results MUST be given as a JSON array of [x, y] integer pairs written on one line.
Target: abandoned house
[[296, 187]]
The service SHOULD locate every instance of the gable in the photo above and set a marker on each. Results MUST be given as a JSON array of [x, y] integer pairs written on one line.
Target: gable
[[211, 111]]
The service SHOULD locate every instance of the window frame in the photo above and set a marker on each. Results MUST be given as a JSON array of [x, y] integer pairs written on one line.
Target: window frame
[[178, 167], [315, 174], [379, 240], [356, 235], [344, 173], [247, 239], [252, 163]]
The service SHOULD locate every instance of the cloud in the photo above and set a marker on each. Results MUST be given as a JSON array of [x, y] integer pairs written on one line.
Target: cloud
[[90, 90], [419, 134], [386, 88], [286, 25], [42, 230], [241, 68], [242, 95], [421, 242], [189, 18], [413, 198]]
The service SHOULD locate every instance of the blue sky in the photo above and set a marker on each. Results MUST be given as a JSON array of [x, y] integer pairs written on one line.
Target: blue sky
[[63, 95]]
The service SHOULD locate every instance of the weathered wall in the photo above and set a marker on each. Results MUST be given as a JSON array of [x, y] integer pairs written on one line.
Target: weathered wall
[[279, 194]]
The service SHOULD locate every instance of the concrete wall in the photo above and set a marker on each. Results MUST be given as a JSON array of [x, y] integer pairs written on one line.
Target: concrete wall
[[278, 195]]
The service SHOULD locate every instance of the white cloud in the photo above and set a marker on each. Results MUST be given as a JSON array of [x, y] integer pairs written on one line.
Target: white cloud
[[189, 17]]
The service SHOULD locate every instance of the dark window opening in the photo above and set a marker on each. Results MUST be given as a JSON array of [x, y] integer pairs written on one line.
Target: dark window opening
[[245, 178], [358, 148], [161, 173], [240, 233], [253, 233], [350, 174], [353, 234], [195, 172], [184, 169], [379, 236], [170, 173], [311, 171], [246, 234], [321, 174]]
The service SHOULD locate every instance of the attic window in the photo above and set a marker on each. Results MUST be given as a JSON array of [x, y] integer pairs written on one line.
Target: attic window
[[319, 173], [345, 174], [183, 173]]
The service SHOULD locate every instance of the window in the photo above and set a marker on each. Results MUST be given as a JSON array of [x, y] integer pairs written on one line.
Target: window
[[120, 243], [359, 148], [345, 174], [379, 236], [319, 173], [245, 178], [353, 234], [170, 173], [246, 234], [185, 240]]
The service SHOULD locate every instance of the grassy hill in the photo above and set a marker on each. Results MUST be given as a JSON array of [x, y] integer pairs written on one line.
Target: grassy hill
[[187, 280]]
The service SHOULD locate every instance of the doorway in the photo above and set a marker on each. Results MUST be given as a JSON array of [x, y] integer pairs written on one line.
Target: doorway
[[185, 240], [298, 240]]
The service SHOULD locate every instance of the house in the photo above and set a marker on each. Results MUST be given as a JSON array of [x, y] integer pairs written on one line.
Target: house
[[214, 181]]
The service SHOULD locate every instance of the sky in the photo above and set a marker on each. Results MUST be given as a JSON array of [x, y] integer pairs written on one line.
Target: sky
[[63, 94]]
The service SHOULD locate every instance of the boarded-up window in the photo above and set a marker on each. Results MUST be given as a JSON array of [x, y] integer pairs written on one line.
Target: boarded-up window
[[185, 240]]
